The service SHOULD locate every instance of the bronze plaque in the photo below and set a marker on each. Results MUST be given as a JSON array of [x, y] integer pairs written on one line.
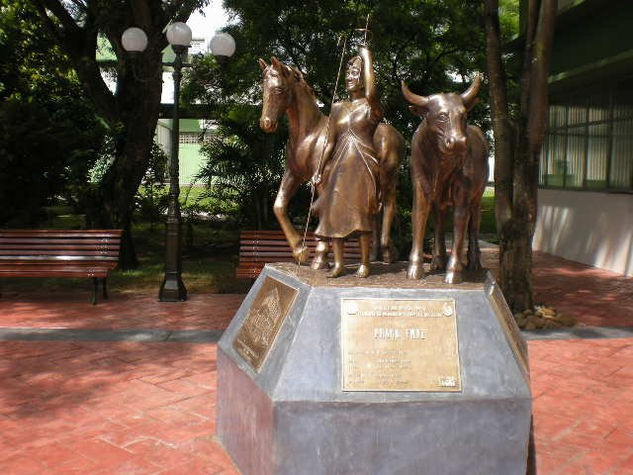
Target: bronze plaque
[[264, 319], [400, 345], [510, 327]]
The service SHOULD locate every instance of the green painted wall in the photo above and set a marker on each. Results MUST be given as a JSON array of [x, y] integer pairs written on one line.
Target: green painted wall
[[191, 161]]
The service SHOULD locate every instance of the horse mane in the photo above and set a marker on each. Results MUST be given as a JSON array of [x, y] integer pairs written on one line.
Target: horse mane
[[298, 75]]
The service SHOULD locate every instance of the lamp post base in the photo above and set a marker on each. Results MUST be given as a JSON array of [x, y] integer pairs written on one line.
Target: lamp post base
[[172, 289]]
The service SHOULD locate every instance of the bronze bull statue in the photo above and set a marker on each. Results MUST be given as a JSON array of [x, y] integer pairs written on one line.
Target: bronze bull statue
[[449, 166]]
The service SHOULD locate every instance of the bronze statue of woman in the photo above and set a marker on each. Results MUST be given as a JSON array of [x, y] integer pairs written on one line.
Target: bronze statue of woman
[[349, 201]]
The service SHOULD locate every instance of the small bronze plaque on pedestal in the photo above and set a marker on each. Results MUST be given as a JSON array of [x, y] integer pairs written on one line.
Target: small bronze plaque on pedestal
[[400, 345], [264, 319]]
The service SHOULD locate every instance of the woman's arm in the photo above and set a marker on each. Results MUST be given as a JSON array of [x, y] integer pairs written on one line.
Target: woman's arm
[[371, 92]]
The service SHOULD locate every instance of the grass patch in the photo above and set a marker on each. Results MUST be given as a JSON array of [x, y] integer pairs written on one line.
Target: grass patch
[[488, 224]]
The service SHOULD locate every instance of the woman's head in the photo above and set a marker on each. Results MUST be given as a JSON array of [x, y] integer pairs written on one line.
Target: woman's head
[[354, 74]]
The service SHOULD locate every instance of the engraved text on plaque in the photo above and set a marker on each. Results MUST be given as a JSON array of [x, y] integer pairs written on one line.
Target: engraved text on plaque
[[399, 345], [264, 319]]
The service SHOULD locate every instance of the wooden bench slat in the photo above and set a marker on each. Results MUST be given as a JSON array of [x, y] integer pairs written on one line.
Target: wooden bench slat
[[71, 256], [257, 248], [5, 241], [59, 253], [61, 233]]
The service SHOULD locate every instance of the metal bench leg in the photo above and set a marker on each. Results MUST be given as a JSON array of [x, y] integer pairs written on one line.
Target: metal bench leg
[[105, 288], [95, 285]]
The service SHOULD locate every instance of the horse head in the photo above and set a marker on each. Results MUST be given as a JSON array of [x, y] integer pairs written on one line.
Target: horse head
[[277, 83]]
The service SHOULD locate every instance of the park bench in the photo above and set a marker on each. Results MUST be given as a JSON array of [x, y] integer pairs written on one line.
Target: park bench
[[60, 253], [260, 247]]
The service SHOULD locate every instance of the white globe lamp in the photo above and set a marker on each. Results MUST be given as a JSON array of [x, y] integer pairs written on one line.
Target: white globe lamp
[[179, 34], [134, 40], [222, 45]]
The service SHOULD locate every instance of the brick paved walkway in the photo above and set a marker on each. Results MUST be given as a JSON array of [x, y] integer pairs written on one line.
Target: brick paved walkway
[[149, 407]]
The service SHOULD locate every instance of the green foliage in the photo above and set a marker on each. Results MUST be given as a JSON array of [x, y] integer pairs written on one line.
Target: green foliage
[[151, 197], [50, 135], [432, 45], [509, 19], [244, 167]]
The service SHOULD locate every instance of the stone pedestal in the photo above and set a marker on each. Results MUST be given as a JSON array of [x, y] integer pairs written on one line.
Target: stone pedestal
[[281, 403]]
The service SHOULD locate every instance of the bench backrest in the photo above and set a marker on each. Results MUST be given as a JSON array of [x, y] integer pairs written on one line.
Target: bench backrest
[[40, 245], [260, 247]]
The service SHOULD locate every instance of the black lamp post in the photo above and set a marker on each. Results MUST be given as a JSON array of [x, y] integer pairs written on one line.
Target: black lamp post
[[172, 289]]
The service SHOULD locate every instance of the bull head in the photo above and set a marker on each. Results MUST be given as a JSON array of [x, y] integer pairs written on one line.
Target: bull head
[[420, 103], [445, 116]]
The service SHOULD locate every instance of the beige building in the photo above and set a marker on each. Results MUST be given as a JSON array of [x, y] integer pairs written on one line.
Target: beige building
[[586, 174]]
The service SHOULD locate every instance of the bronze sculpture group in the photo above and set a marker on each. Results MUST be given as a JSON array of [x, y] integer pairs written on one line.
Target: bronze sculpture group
[[352, 157]]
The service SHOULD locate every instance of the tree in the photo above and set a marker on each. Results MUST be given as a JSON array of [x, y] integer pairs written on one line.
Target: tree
[[131, 112], [518, 142], [231, 174], [50, 134], [432, 45]]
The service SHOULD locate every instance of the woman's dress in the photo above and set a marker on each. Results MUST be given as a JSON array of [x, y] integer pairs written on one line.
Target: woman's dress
[[349, 199]]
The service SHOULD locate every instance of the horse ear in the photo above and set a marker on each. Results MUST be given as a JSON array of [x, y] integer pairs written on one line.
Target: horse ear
[[276, 64], [262, 64], [287, 71]]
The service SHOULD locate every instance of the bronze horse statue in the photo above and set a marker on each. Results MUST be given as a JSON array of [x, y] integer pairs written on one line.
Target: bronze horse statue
[[449, 166], [286, 91]]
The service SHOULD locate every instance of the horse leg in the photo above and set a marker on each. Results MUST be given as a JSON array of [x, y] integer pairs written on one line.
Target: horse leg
[[388, 213], [460, 220], [338, 248], [320, 254], [287, 189], [375, 242], [439, 243], [419, 216], [365, 245], [474, 254]]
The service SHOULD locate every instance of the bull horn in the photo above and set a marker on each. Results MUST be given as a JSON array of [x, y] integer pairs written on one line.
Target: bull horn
[[414, 99], [262, 64], [469, 96]]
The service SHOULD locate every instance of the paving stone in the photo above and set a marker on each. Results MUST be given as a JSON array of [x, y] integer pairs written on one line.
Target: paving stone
[[58, 395]]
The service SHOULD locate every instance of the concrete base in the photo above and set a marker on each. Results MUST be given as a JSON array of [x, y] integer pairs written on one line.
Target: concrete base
[[291, 416]]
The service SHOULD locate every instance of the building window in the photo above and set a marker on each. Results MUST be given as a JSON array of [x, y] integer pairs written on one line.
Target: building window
[[190, 138], [589, 144]]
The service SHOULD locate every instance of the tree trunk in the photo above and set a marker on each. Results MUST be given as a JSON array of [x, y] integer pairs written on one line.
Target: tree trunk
[[132, 111], [517, 151], [501, 122], [515, 264]]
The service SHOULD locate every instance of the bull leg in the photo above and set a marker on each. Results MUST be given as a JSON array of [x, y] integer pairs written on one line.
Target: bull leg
[[439, 243], [455, 266], [320, 257], [474, 254], [287, 189], [419, 216], [365, 245], [388, 213]]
